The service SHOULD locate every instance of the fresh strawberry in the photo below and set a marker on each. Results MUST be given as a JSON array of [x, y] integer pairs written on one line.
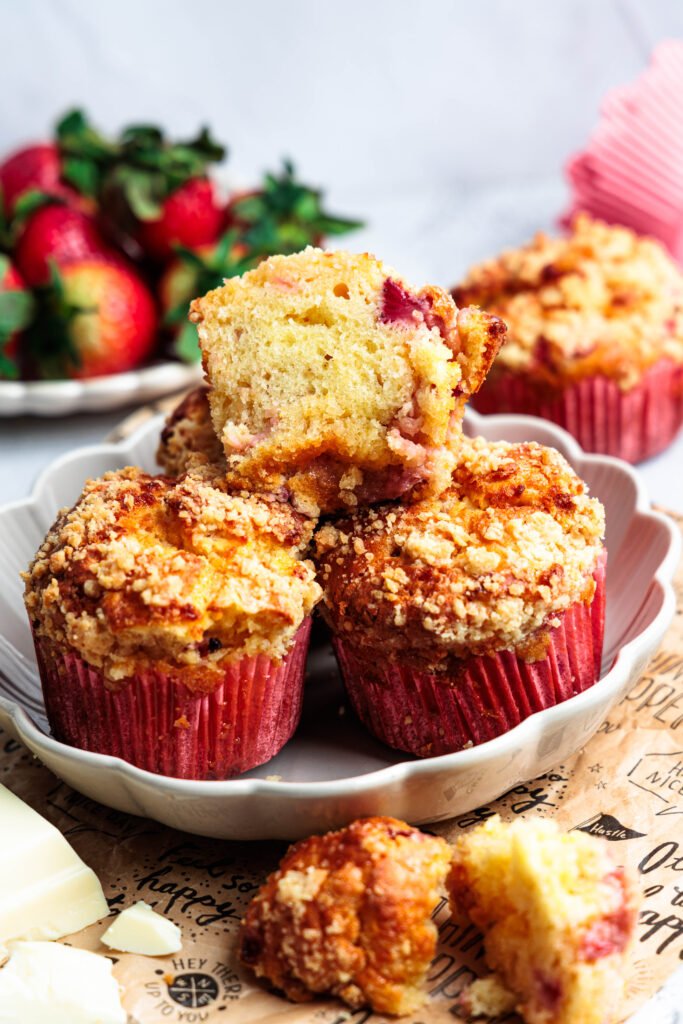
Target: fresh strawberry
[[159, 192], [195, 272], [284, 215], [70, 168], [191, 217], [34, 167], [16, 310], [94, 318], [55, 233]]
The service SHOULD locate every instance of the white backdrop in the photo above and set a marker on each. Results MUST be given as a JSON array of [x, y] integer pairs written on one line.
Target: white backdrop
[[366, 94]]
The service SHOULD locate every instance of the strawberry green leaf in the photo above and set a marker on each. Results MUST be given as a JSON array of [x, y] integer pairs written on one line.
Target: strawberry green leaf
[[83, 174], [8, 368], [186, 344], [16, 312]]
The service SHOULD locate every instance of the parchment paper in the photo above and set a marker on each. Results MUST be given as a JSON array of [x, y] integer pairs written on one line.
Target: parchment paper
[[625, 785]]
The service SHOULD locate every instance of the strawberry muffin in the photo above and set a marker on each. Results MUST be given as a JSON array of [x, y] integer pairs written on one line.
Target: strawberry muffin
[[171, 623], [455, 618], [335, 383], [595, 340], [188, 440], [558, 917], [349, 914]]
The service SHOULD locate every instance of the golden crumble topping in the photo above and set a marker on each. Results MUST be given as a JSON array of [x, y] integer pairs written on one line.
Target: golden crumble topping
[[147, 569], [349, 913], [188, 440], [484, 567], [331, 378], [600, 301]]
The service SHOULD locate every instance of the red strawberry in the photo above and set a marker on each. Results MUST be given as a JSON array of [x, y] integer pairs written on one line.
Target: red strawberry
[[34, 167], [97, 318], [58, 234], [190, 216], [16, 308]]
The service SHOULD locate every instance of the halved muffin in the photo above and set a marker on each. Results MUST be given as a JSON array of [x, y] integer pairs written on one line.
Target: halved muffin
[[335, 383], [349, 914], [558, 916]]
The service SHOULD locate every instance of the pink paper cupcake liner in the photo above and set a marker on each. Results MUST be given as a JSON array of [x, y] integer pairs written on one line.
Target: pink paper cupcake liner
[[160, 724], [630, 170], [429, 714], [633, 424]]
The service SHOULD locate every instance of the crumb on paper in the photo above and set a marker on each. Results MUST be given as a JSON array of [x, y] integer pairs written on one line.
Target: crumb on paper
[[486, 997], [273, 778]]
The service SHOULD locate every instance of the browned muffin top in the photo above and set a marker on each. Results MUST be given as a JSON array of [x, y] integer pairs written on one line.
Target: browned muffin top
[[484, 567], [188, 439], [601, 300], [349, 913], [147, 569]]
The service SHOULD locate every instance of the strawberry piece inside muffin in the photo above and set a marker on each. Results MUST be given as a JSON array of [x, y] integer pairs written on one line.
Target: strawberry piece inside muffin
[[349, 914], [558, 916], [335, 380]]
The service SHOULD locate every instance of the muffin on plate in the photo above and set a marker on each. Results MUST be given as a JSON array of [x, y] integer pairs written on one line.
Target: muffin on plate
[[349, 914], [188, 440], [171, 623], [455, 618], [558, 916], [595, 340], [335, 383]]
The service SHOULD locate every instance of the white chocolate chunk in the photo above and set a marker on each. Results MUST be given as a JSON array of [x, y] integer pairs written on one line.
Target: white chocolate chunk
[[46, 891], [139, 929], [46, 982]]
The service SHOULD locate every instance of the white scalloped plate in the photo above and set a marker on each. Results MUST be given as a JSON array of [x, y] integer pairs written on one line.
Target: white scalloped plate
[[333, 770], [98, 394]]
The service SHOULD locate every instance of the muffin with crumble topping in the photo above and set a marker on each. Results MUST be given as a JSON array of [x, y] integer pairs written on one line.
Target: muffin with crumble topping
[[459, 616], [595, 336], [171, 623], [558, 917], [349, 914], [336, 384]]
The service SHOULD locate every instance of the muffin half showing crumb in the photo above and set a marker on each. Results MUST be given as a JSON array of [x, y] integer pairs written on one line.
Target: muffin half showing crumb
[[349, 914], [595, 336], [455, 618], [333, 380], [558, 917], [171, 623]]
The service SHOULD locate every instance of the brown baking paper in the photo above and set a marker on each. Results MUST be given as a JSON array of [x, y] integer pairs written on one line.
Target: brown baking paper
[[625, 785]]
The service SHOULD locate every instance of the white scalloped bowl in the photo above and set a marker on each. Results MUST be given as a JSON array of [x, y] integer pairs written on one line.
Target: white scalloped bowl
[[333, 770], [97, 394]]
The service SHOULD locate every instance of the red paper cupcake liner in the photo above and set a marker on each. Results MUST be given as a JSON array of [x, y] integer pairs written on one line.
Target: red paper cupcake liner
[[633, 424], [429, 714], [160, 724]]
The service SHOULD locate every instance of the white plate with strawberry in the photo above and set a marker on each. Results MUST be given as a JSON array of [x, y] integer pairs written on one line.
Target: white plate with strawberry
[[104, 242]]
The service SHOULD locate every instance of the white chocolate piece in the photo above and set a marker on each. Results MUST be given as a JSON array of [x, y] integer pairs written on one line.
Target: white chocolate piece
[[45, 981], [46, 891], [139, 929]]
